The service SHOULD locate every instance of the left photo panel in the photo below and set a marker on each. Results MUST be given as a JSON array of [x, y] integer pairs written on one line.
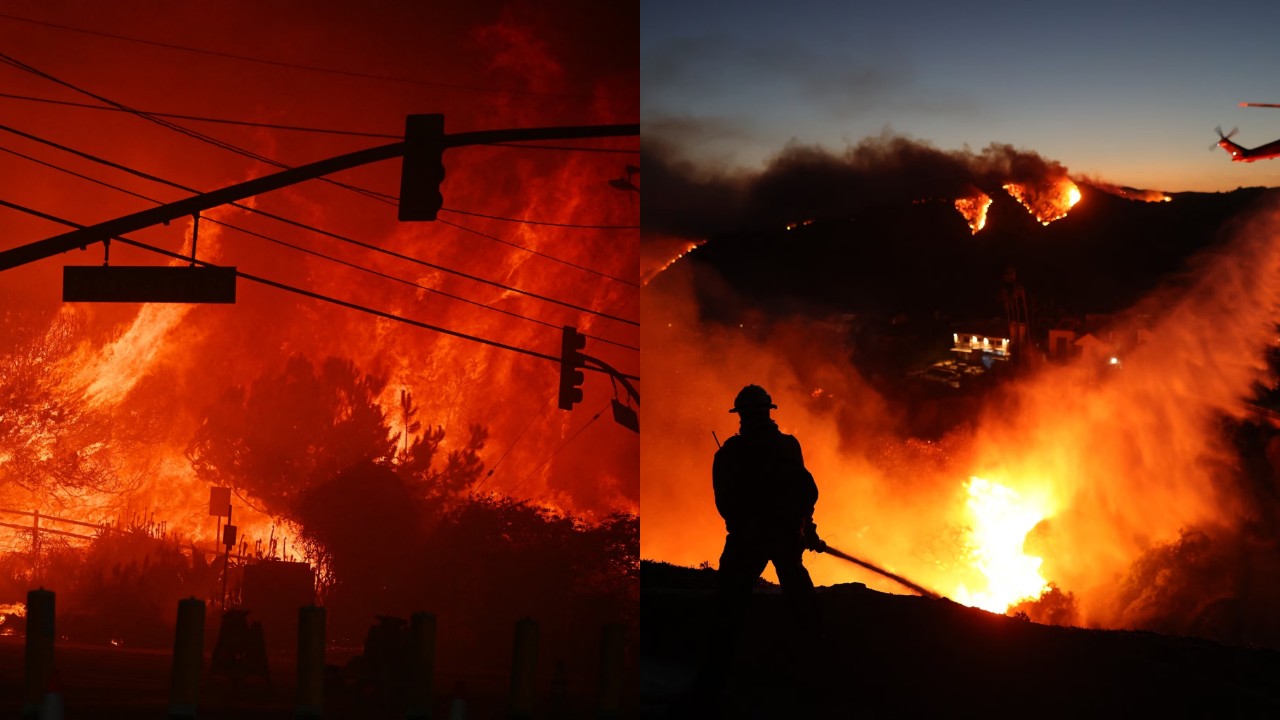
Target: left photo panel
[[319, 360]]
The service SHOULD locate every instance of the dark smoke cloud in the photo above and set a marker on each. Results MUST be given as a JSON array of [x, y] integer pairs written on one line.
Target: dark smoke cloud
[[806, 181]]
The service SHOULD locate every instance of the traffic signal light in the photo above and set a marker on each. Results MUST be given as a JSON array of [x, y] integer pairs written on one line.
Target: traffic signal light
[[571, 364], [423, 168]]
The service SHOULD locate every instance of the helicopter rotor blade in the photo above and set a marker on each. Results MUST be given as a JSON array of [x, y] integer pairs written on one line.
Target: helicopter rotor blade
[[1222, 137]]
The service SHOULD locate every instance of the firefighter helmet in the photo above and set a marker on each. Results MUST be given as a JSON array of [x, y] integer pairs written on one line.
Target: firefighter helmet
[[752, 397]]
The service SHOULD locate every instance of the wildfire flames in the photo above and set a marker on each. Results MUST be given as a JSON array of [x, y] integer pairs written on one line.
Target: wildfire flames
[[974, 210], [1001, 521], [116, 419], [1047, 202], [1113, 487], [658, 254]]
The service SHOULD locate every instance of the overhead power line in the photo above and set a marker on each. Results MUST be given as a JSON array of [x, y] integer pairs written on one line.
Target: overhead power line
[[224, 121], [308, 293], [194, 134], [365, 192], [321, 231], [615, 151], [464, 228], [563, 445], [304, 128], [296, 66], [526, 221]]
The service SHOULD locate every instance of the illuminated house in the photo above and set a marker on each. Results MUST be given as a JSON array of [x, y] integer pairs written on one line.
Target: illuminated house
[[982, 342]]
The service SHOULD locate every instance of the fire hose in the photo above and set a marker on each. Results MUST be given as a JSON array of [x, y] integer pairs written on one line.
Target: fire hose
[[813, 542]]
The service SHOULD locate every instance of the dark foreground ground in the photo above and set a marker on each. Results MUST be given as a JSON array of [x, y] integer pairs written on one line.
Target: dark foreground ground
[[893, 655], [107, 683]]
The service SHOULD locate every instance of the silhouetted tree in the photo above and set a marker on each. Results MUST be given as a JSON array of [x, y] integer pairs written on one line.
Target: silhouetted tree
[[292, 430], [368, 527], [494, 560]]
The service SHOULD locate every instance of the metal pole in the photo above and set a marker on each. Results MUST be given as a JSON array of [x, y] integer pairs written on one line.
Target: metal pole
[[86, 236], [226, 563]]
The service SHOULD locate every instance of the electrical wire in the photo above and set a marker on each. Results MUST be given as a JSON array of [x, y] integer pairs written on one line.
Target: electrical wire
[[563, 445], [296, 66], [194, 134], [305, 128], [321, 231], [224, 121], [566, 148], [526, 221], [365, 192], [464, 228], [309, 293], [498, 462]]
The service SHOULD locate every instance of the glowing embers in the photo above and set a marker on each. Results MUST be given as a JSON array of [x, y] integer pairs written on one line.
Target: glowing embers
[[1001, 519], [1046, 202], [974, 210]]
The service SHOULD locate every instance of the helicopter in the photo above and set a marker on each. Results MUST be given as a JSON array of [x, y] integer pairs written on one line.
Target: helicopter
[[1243, 154]]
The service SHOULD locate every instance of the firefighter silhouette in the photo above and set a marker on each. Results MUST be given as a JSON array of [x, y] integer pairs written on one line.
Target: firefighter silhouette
[[766, 497]]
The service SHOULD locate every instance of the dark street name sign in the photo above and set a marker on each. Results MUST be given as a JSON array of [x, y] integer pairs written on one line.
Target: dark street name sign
[[148, 283]]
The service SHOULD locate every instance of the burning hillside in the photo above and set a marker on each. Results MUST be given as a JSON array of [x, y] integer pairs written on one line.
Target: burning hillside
[[1123, 495], [805, 182]]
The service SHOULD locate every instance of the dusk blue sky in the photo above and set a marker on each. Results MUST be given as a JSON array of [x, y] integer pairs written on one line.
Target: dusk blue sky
[[1128, 92]]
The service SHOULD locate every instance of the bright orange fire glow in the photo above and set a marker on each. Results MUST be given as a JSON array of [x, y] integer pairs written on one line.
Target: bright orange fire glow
[[1046, 203], [1079, 473], [974, 210], [1001, 519], [658, 254], [538, 239]]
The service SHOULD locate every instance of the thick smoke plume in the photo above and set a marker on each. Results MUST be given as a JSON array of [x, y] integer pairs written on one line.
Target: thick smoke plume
[[812, 182]]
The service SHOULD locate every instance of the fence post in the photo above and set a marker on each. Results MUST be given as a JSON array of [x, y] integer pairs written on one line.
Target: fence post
[[523, 665], [612, 658], [310, 662], [422, 652], [188, 659], [39, 649]]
